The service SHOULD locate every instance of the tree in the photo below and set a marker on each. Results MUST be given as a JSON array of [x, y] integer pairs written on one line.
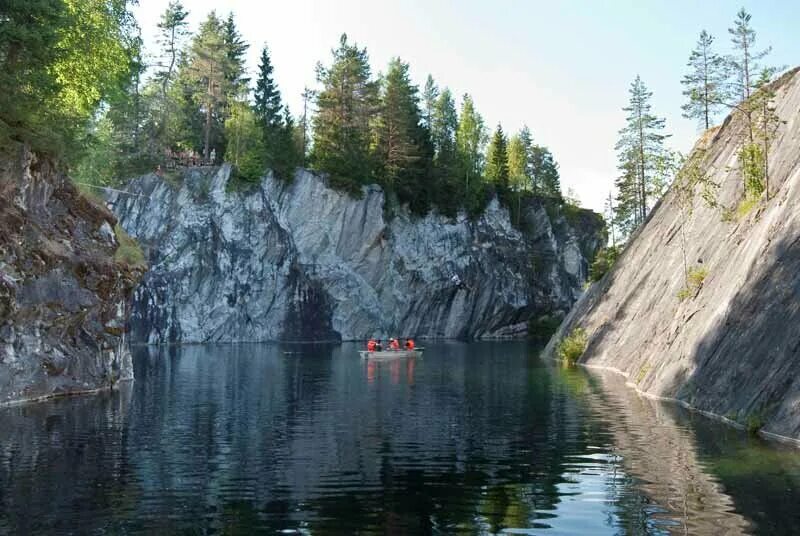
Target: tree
[[58, 60], [470, 141], [641, 143], [429, 97], [497, 159], [345, 107], [546, 179], [245, 146], [744, 62], [172, 27], [704, 82], [268, 110], [209, 76], [398, 132], [235, 50], [517, 164]]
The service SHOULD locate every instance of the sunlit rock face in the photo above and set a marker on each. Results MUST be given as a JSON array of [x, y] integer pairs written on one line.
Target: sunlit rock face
[[731, 344], [62, 295], [301, 261]]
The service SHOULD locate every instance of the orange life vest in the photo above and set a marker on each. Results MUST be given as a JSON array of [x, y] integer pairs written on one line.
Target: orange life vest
[[410, 344], [371, 345]]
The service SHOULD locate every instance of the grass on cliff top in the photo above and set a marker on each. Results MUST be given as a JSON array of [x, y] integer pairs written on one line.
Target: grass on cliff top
[[128, 251]]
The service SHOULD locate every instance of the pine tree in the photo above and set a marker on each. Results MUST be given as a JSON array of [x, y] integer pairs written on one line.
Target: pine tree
[[172, 26], [345, 107], [397, 130], [640, 145], [704, 83], [744, 63], [429, 97], [470, 141], [497, 159], [209, 77]]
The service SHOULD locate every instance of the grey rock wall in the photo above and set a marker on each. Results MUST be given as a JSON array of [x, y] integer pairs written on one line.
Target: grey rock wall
[[300, 261], [732, 347]]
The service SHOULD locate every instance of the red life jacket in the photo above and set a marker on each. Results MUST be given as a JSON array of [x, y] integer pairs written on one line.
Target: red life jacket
[[395, 345], [371, 345]]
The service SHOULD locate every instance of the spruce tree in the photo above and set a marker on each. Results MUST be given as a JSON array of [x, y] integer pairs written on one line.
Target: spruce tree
[[704, 83], [640, 145], [235, 50], [268, 109], [497, 160], [345, 107]]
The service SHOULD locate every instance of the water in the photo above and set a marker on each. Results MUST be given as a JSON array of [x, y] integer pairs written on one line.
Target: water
[[469, 439]]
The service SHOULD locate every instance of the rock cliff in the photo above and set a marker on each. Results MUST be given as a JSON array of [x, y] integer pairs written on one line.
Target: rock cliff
[[730, 345], [301, 261], [62, 294]]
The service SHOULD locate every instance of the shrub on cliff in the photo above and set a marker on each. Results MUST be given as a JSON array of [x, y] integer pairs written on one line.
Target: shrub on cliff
[[603, 262], [571, 347]]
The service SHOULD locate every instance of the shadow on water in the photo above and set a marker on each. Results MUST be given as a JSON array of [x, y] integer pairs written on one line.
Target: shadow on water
[[470, 438]]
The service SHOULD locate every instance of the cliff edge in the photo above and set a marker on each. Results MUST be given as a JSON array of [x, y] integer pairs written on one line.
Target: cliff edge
[[302, 261]]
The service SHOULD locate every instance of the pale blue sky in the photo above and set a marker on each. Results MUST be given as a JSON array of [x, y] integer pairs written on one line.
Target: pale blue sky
[[562, 67]]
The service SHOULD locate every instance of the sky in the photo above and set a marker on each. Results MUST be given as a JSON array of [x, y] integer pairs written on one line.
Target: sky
[[561, 67]]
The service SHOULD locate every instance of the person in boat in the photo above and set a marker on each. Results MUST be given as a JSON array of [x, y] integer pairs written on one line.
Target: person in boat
[[378, 346], [371, 344], [409, 344], [394, 344]]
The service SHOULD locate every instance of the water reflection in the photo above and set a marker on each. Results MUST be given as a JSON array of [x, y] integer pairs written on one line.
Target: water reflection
[[477, 438]]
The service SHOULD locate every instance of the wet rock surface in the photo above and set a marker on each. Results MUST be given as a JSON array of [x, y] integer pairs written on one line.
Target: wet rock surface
[[62, 294], [301, 261]]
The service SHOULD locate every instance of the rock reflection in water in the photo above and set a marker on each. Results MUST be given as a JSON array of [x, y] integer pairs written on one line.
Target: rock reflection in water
[[469, 438]]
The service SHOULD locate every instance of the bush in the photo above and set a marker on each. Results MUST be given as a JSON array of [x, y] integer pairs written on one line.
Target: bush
[[571, 347], [128, 250], [603, 262], [694, 281], [751, 158]]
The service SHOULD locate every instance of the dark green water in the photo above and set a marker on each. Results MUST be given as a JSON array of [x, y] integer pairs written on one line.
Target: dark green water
[[472, 439]]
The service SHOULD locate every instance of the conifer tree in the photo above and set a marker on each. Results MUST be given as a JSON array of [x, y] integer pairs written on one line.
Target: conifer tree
[[268, 109], [444, 124], [497, 159], [744, 63], [526, 141], [209, 76], [235, 50], [345, 107], [398, 130], [173, 30], [704, 83], [640, 145]]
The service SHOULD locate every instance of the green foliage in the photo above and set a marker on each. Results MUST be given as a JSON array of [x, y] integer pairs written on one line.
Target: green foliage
[[128, 250], [346, 105], [572, 347], [640, 144], [245, 150], [470, 140], [545, 177], [603, 262], [752, 163], [695, 277], [704, 84], [58, 60], [497, 160], [542, 327], [754, 423]]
